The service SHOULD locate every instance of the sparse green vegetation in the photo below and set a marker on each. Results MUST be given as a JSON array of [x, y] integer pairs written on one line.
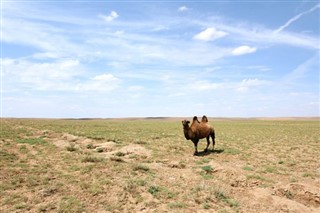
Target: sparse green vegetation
[[70, 204], [203, 161], [308, 174], [71, 148], [154, 190], [220, 195], [91, 159], [174, 205], [232, 151], [31, 141], [141, 167], [207, 169], [147, 165], [206, 172], [247, 168]]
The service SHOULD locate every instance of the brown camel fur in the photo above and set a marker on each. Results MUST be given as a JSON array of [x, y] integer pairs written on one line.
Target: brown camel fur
[[198, 130]]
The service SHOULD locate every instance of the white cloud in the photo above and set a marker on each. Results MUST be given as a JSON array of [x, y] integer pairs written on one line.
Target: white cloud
[[245, 84], [100, 83], [183, 8], [253, 82], [264, 36], [160, 28], [113, 15], [210, 34], [104, 77], [205, 85], [59, 75], [62, 75], [261, 68], [243, 50]]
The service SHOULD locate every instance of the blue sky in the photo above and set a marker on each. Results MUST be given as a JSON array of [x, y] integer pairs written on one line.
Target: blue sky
[[160, 58]]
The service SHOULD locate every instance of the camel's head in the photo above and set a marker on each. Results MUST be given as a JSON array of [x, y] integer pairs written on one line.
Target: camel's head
[[185, 123]]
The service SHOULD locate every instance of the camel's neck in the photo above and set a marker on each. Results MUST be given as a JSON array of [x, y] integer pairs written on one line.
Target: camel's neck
[[187, 133]]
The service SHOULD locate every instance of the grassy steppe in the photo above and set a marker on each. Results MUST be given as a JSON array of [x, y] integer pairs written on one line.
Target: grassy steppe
[[146, 165]]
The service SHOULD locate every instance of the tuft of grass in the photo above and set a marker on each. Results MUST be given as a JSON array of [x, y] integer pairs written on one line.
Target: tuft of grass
[[161, 192], [91, 159], [22, 206], [90, 146], [270, 169], [232, 151], [120, 154], [87, 169], [206, 205], [140, 142], [288, 194], [257, 177], [47, 207], [99, 149], [203, 161], [307, 174], [247, 168], [142, 168], [70, 204], [96, 137], [207, 169], [117, 159], [94, 188], [8, 157], [71, 148], [206, 172], [154, 190], [221, 196], [31, 141], [133, 185], [175, 205]]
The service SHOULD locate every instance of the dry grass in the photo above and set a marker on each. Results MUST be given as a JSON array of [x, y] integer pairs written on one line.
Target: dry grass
[[147, 166]]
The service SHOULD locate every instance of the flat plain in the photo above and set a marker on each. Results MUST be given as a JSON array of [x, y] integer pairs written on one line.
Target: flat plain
[[146, 165]]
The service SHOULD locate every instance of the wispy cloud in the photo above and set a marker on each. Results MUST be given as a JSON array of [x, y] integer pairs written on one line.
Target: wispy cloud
[[243, 50], [100, 83], [260, 35], [238, 86], [295, 18], [183, 8], [246, 84], [113, 15], [210, 34], [61, 75], [301, 71]]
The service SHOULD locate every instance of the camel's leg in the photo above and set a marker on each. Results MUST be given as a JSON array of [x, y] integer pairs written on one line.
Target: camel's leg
[[213, 136], [195, 142], [208, 143]]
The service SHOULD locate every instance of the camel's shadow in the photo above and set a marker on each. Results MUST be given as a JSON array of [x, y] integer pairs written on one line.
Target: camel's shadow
[[209, 152]]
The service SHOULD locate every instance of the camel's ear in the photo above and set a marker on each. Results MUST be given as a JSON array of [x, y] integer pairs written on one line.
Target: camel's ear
[[188, 122]]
